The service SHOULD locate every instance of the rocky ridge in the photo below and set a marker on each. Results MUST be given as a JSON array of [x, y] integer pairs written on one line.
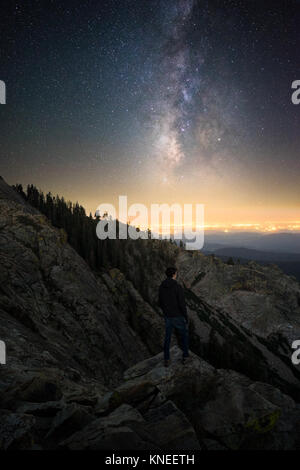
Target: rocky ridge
[[84, 364]]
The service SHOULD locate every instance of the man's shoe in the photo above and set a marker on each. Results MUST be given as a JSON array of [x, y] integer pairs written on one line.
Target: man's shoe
[[167, 362]]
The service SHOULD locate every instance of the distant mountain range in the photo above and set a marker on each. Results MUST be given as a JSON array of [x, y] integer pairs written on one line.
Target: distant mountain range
[[285, 242], [282, 249], [288, 262]]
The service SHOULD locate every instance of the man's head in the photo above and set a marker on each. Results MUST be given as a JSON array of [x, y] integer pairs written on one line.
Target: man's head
[[171, 273]]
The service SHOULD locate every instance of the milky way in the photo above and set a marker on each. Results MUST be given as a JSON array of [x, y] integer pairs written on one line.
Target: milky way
[[192, 122], [176, 88]]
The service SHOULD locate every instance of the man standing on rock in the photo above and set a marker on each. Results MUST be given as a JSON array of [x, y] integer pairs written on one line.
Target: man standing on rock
[[172, 302]]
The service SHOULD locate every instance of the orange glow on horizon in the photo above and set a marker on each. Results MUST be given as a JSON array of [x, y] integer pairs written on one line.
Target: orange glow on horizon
[[258, 227]]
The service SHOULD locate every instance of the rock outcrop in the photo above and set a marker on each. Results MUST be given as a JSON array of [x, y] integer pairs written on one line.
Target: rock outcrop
[[188, 407], [55, 312]]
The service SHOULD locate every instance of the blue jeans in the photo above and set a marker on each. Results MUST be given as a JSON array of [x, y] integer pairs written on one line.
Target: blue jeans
[[180, 324]]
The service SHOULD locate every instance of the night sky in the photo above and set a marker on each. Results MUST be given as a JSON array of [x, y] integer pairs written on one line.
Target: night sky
[[160, 100]]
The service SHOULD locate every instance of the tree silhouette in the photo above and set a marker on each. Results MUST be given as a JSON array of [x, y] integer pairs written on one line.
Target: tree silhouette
[[81, 234]]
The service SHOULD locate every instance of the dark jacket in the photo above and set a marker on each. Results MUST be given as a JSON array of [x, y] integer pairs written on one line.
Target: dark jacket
[[171, 299]]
